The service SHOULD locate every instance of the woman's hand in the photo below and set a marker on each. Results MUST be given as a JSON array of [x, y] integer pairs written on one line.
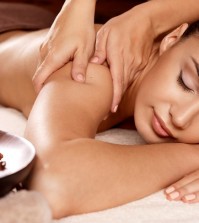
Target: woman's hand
[[186, 189], [125, 42], [71, 37]]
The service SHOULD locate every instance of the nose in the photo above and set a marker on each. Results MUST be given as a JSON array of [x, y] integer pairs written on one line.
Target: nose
[[183, 114]]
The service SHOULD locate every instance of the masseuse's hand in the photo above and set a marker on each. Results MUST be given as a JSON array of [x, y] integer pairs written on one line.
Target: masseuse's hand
[[71, 37], [186, 189], [126, 42]]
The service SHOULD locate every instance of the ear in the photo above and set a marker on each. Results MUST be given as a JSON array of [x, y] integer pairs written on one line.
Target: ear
[[172, 38]]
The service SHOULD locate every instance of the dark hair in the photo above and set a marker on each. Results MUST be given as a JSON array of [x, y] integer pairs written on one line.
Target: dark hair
[[191, 30]]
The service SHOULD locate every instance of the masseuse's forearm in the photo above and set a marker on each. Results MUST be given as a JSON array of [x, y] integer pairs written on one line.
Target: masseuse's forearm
[[167, 14]]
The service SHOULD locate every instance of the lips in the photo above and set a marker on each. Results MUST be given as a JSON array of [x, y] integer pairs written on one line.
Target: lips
[[159, 127]]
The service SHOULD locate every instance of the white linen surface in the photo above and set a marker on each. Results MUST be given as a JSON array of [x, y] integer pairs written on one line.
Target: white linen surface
[[154, 208]]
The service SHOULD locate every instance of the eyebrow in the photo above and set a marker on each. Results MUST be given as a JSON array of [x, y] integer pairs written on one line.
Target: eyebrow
[[196, 64]]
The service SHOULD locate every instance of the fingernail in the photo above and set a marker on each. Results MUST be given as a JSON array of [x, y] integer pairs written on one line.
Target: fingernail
[[169, 190], [105, 117], [80, 77], [94, 59], [115, 109], [174, 195], [190, 197]]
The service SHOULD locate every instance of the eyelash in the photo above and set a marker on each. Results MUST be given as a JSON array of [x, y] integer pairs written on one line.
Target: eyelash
[[182, 84]]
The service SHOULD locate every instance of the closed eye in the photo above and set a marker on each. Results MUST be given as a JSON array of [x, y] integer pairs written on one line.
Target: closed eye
[[182, 83]]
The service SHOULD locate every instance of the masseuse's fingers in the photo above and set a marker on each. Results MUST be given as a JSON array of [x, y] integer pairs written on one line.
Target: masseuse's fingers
[[114, 61], [186, 189], [51, 63], [107, 48], [99, 55], [79, 67], [116, 64]]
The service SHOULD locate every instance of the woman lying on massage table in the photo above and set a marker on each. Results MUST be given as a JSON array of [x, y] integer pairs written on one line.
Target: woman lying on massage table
[[75, 172]]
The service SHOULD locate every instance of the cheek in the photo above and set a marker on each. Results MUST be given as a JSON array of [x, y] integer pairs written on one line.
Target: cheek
[[157, 92], [143, 113], [191, 133], [160, 83], [152, 87]]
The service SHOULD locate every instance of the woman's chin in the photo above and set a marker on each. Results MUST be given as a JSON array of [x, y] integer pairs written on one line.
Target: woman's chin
[[155, 139], [150, 138]]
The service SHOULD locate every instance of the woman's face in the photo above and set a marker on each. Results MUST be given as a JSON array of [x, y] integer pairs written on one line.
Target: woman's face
[[167, 102]]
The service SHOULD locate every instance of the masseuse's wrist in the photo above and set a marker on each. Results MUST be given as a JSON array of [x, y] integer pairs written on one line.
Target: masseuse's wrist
[[160, 16], [85, 8], [165, 14], [88, 5], [145, 13], [140, 13]]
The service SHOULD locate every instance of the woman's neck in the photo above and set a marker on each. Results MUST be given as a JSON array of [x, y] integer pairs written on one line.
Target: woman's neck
[[128, 101]]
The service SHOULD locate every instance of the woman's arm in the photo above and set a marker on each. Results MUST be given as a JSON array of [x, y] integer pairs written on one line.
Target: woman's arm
[[77, 174], [86, 175]]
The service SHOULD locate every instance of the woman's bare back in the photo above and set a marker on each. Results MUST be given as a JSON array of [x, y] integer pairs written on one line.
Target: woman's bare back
[[19, 53], [18, 56]]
